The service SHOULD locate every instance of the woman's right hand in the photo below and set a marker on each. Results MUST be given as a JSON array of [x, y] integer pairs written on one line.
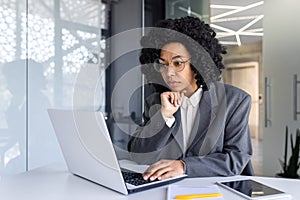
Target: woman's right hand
[[170, 102]]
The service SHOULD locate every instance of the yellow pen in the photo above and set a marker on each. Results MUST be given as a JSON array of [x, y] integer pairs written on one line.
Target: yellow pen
[[195, 196]]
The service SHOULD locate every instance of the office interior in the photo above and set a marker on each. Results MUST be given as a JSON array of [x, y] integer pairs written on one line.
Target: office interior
[[70, 54]]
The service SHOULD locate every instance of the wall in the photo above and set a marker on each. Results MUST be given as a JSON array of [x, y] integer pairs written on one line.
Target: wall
[[281, 61]]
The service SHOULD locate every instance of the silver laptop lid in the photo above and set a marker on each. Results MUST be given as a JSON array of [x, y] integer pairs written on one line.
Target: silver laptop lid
[[87, 148]]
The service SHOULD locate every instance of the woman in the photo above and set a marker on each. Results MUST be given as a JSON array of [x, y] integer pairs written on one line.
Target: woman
[[193, 123]]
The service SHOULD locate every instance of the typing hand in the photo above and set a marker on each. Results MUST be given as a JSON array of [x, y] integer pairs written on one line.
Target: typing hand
[[170, 102], [164, 169]]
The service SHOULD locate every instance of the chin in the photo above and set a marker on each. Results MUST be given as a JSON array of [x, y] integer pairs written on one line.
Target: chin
[[176, 89]]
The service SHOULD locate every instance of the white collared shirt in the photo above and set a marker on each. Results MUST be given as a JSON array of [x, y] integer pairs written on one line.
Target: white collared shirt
[[189, 108]]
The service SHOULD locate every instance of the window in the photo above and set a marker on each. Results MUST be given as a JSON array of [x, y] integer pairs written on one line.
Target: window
[[52, 54]]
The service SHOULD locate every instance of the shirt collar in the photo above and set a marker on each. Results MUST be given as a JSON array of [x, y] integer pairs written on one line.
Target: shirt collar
[[193, 100]]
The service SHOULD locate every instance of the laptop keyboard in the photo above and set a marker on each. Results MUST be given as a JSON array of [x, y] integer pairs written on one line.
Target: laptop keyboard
[[134, 178]]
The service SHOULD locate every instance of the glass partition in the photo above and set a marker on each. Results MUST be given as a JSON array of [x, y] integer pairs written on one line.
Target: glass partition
[[52, 51]]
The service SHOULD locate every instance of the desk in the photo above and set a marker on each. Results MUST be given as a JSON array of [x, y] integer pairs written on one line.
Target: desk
[[54, 182]]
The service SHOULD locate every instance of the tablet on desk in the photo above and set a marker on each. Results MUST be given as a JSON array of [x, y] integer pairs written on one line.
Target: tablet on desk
[[254, 190]]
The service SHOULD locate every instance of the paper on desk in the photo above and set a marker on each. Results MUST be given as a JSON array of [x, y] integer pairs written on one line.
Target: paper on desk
[[132, 166], [174, 190]]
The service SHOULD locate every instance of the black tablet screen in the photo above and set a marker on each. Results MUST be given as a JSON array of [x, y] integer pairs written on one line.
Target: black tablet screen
[[251, 188]]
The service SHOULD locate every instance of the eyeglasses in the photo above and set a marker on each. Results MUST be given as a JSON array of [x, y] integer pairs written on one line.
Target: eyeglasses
[[178, 64]]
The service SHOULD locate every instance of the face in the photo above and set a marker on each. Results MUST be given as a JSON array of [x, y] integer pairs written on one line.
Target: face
[[171, 55]]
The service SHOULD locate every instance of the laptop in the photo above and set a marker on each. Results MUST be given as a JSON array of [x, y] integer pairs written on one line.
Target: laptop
[[89, 152]]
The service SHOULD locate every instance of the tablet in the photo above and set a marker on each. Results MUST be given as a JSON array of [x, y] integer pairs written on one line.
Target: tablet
[[253, 190]]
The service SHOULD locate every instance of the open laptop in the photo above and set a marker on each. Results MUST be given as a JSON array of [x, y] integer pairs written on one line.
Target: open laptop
[[89, 152]]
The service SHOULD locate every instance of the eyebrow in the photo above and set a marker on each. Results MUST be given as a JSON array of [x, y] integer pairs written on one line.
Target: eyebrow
[[178, 56]]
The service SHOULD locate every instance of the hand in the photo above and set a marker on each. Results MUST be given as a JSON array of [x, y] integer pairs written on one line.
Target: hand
[[164, 169], [170, 102]]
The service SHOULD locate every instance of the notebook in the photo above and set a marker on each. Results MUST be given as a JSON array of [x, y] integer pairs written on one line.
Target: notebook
[[89, 152], [211, 192]]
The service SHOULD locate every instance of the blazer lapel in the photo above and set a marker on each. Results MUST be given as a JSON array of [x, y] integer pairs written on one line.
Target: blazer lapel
[[203, 117], [218, 110], [178, 132], [210, 118]]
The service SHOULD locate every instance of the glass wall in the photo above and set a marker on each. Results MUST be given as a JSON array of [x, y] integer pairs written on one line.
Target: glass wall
[[52, 55]]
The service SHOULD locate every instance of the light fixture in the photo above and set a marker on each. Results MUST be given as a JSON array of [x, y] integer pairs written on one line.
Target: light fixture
[[218, 23]]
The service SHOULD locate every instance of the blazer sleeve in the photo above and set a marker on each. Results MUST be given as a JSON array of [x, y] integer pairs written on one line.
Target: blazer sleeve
[[233, 149], [152, 140]]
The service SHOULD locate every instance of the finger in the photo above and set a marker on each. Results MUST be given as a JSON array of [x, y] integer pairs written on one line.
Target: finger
[[168, 174], [146, 175], [153, 168], [179, 98], [158, 174], [172, 98], [165, 97], [176, 169], [182, 93], [176, 99], [149, 172], [166, 100]]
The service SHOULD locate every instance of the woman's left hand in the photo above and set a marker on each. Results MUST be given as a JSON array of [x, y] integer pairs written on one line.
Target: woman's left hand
[[164, 169]]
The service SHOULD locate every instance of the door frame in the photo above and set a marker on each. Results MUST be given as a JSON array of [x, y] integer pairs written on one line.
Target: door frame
[[255, 64]]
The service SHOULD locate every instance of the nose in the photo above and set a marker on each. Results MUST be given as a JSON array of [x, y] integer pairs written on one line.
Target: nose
[[170, 71]]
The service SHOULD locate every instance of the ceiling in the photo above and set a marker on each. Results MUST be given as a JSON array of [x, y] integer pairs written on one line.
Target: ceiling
[[237, 22]]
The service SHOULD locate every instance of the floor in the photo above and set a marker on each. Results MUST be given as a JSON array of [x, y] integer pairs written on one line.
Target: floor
[[257, 157]]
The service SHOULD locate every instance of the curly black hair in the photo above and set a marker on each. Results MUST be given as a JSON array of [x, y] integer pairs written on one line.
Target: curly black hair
[[198, 38]]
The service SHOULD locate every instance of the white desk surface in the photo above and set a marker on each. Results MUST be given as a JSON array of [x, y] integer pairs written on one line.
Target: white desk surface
[[54, 182]]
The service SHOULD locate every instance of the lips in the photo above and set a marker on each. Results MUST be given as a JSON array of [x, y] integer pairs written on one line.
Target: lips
[[173, 83]]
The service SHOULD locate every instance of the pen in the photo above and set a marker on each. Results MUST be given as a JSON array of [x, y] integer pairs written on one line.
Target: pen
[[195, 196]]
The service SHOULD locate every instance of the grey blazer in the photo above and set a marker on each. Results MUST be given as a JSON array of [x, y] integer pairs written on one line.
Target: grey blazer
[[220, 142]]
